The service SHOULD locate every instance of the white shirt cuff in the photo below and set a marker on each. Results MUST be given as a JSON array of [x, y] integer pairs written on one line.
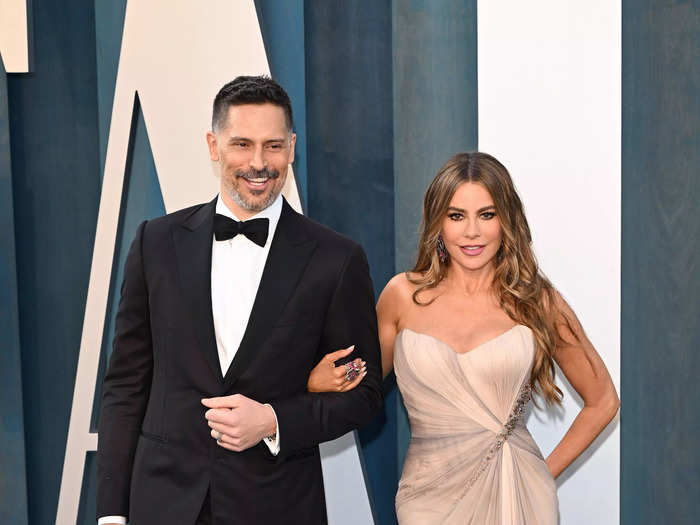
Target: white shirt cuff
[[112, 519], [272, 444]]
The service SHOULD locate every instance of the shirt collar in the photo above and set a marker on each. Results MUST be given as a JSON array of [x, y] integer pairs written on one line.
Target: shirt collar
[[272, 213]]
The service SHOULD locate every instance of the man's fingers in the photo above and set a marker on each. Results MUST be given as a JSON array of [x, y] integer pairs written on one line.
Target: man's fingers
[[339, 354], [224, 438], [222, 402], [233, 444], [224, 429], [230, 447], [226, 441], [222, 415]]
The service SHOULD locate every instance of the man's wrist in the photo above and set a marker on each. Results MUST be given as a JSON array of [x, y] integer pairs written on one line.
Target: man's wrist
[[271, 429]]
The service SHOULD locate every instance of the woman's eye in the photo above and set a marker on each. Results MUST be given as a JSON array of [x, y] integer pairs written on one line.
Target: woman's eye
[[455, 216], [488, 215]]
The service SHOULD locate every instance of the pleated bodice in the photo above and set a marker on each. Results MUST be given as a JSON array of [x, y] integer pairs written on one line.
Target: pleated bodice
[[471, 459]]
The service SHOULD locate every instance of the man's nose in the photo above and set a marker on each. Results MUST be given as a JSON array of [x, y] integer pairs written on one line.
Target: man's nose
[[257, 161]]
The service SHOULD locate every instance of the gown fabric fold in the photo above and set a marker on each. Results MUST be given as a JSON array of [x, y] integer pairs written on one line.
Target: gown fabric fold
[[471, 459]]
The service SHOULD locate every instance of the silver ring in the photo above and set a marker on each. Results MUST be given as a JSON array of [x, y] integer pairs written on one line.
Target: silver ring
[[352, 370], [218, 437]]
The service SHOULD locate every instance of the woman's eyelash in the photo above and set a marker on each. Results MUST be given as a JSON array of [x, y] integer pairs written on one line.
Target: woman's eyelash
[[487, 215]]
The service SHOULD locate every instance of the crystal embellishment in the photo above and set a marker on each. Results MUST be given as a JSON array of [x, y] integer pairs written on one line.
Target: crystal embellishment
[[515, 415]]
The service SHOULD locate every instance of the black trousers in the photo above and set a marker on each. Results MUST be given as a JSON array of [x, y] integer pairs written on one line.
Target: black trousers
[[204, 517]]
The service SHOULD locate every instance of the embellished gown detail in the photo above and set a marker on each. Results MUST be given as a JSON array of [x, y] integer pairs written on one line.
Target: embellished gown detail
[[471, 459]]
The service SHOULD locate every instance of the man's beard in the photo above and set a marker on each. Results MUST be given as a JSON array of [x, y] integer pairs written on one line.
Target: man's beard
[[254, 175]]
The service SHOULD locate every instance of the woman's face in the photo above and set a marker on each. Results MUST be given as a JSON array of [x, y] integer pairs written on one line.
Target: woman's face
[[471, 230]]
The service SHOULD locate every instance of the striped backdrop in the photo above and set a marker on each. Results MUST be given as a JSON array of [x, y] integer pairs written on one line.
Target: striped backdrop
[[593, 107]]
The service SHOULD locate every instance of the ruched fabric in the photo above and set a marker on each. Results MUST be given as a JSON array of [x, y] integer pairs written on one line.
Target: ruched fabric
[[471, 459]]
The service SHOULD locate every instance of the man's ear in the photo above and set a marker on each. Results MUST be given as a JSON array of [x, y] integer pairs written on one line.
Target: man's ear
[[292, 144], [213, 149]]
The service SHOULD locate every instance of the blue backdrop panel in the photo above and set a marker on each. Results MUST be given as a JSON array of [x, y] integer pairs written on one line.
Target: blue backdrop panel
[[13, 483], [435, 115], [660, 479], [109, 25], [350, 176], [282, 26], [56, 184]]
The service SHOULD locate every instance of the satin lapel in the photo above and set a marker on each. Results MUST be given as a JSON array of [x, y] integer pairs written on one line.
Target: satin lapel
[[193, 241], [289, 253]]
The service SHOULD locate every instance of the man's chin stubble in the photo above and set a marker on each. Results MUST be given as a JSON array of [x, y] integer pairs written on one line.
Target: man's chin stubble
[[251, 206]]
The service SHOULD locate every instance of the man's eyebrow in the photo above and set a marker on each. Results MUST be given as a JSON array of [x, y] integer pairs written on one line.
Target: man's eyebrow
[[244, 139]]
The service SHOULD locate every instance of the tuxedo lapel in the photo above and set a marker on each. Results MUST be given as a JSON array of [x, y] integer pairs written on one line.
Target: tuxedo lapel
[[193, 245], [289, 253]]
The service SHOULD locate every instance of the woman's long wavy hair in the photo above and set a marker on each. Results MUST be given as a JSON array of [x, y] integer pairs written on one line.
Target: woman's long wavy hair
[[524, 293]]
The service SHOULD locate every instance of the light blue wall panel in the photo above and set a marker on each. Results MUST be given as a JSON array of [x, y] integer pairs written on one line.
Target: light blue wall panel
[[13, 483], [350, 176], [660, 420], [282, 26], [56, 184]]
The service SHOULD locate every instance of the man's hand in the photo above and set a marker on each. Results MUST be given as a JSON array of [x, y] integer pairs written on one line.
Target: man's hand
[[241, 421]]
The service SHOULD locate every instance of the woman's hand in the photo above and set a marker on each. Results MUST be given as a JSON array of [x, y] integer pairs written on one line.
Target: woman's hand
[[326, 377]]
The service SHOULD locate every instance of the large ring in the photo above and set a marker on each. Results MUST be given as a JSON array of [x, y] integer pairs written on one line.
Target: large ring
[[218, 437], [352, 370]]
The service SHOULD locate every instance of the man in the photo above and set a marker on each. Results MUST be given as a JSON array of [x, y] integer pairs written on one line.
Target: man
[[206, 418]]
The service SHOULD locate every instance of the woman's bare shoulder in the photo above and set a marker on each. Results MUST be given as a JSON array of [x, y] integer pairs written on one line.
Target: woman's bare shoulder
[[401, 287]]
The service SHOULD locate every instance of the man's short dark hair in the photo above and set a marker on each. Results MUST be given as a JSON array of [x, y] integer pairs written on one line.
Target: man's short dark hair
[[250, 90]]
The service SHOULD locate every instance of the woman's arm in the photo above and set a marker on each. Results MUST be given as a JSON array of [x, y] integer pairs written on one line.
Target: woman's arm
[[388, 314], [587, 373]]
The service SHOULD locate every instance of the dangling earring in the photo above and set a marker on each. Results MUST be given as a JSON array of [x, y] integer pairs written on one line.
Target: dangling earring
[[441, 250]]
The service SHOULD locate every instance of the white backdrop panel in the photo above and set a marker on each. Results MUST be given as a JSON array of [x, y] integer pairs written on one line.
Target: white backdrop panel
[[549, 109]]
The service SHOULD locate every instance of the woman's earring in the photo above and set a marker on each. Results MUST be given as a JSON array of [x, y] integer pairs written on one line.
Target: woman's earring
[[441, 250]]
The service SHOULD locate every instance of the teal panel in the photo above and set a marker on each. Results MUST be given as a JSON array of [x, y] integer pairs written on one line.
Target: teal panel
[[282, 26], [109, 25], [350, 178], [660, 420], [13, 481], [435, 114], [56, 187], [435, 102]]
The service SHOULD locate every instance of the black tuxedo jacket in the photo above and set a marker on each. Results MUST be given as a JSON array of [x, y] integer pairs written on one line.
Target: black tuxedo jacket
[[156, 458]]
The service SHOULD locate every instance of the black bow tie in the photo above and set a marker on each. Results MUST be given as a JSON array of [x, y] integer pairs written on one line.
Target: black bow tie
[[255, 229]]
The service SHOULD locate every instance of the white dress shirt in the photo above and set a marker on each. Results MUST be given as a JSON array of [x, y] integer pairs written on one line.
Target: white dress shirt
[[236, 269]]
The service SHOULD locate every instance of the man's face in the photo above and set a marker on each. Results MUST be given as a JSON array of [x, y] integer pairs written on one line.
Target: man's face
[[254, 151]]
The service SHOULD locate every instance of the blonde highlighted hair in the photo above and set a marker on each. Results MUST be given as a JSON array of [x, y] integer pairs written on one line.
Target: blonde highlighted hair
[[524, 293]]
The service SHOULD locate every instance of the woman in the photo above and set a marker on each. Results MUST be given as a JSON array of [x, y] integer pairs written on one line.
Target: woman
[[471, 331]]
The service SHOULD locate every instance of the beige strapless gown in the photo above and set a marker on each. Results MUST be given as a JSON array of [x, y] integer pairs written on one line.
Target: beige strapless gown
[[471, 459]]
